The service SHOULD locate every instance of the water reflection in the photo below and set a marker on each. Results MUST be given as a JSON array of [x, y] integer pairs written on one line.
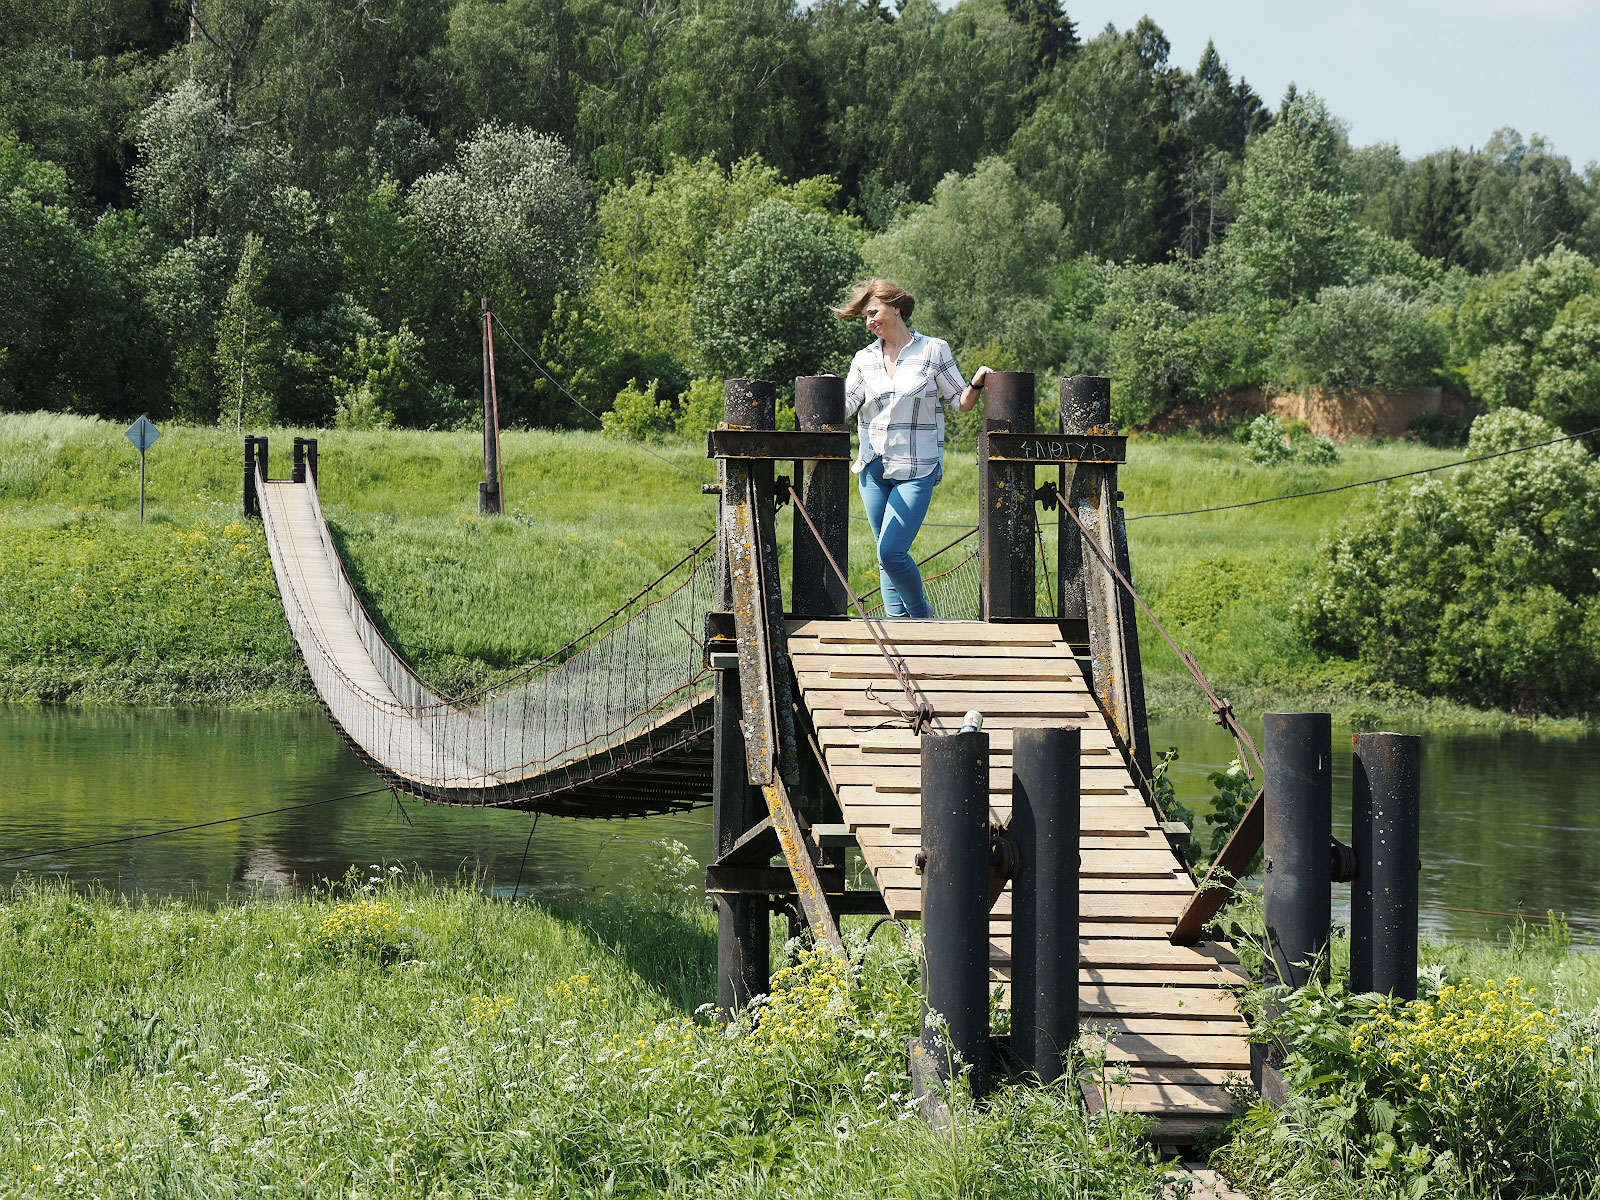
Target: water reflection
[[1510, 821], [75, 776]]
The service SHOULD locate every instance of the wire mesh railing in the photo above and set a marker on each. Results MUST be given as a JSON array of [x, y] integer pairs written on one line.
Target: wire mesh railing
[[623, 693]]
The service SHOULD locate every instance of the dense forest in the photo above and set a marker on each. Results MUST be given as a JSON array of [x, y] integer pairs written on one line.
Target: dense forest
[[290, 210]]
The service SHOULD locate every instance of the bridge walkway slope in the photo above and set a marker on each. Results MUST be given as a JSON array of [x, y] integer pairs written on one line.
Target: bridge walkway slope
[[593, 734], [1176, 1035]]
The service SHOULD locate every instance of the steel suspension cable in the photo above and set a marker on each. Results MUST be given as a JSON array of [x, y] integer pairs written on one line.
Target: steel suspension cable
[[1222, 709], [921, 714], [1345, 487]]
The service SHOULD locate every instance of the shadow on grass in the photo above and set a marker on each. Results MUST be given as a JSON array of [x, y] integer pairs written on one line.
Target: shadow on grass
[[674, 951]]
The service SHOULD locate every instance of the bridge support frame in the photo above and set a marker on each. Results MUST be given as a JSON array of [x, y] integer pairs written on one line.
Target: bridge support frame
[[1297, 751], [1005, 501]]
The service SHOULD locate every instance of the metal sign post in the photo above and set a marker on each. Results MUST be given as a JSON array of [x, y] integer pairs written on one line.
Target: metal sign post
[[143, 435]]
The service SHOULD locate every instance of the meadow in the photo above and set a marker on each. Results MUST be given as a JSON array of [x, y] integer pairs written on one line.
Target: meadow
[[95, 608]]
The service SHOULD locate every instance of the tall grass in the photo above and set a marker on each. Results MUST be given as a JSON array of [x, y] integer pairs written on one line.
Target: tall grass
[[408, 1040]]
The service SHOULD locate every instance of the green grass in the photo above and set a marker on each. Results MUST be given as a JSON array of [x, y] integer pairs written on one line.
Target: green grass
[[409, 1040], [95, 608]]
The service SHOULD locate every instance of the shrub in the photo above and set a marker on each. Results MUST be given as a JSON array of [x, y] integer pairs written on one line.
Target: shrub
[[1359, 337], [1482, 586], [365, 928], [1267, 442], [702, 408], [1475, 1085], [639, 413], [1442, 430]]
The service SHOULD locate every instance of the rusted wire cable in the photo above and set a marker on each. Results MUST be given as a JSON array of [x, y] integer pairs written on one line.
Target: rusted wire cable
[[921, 714], [1222, 709]]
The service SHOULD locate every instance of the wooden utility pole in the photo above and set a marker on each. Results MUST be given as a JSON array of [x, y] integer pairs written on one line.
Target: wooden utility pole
[[489, 489]]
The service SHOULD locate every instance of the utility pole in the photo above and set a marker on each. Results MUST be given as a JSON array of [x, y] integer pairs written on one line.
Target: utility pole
[[489, 489]]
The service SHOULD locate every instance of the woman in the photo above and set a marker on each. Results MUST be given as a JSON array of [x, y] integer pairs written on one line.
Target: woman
[[897, 384]]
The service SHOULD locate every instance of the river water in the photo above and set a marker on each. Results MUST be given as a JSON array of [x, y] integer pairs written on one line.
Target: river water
[[1511, 822]]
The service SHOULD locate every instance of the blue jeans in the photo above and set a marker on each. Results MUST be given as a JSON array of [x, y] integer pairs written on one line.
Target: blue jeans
[[895, 510]]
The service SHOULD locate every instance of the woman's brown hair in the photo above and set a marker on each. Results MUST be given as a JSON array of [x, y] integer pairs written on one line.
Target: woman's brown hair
[[887, 290]]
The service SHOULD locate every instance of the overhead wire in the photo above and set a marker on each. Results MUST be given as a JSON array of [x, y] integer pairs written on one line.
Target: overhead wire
[[1345, 487], [136, 837]]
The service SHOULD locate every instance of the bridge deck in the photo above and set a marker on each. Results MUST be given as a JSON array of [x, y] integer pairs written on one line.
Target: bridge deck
[[1176, 1034]]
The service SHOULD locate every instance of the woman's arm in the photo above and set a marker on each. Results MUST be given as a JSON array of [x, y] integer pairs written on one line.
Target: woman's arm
[[969, 397]]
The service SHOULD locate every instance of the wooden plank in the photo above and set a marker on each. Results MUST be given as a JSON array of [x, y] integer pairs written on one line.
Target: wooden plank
[[925, 671], [1162, 1099], [1155, 1001], [906, 877], [1176, 1049], [900, 629], [1109, 864], [948, 719], [969, 651], [1123, 909]]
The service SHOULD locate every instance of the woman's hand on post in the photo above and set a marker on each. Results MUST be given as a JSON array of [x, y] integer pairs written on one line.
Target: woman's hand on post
[[969, 398]]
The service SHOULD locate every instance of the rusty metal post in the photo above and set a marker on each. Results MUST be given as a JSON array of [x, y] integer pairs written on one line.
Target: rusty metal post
[[1045, 812], [1297, 751], [1085, 406], [1005, 492], [252, 503], [489, 500], [825, 491], [1112, 614], [744, 930], [1385, 816], [955, 905]]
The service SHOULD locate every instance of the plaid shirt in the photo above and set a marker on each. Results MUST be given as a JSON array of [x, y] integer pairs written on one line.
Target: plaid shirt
[[901, 420]]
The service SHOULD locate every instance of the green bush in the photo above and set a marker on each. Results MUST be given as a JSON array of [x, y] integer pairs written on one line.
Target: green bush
[[1481, 586], [761, 310], [1472, 1089], [640, 413], [1365, 336], [702, 408], [1443, 430], [1267, 442]]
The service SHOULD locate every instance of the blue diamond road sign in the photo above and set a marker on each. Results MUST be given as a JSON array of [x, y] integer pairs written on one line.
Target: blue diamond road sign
[[143, 434]]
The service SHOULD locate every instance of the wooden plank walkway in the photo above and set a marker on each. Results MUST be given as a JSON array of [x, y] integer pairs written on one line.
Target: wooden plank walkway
[[1175, 1032]]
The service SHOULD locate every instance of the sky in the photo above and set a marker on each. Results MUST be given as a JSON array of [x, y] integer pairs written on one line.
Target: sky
[[1423, 74]]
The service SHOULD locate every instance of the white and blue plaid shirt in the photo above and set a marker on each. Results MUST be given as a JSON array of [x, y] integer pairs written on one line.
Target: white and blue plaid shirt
[[901, 420]]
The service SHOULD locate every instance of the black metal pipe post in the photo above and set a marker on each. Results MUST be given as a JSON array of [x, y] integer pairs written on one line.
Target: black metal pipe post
[[955, 904], [824, 489], [298, 475], [1297, 751], [261, 457], [1045, 811], [1085, 405], [311, 458], [1005, 492], [1385, 817], [252, 503]]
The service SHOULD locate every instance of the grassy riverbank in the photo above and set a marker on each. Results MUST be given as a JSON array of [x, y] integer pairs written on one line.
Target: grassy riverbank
[[403, 1040], [95, 608], [397, 1038]]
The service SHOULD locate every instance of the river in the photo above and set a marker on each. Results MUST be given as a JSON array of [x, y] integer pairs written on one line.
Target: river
[[1511, 821]]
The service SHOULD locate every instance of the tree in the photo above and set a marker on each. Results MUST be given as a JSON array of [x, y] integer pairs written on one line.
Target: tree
[[1525, 202], [761, 310], [1436, 224], [1216, 117], [1292, 234], [1092, 147], [656, 233], [515, 62], [1365, 336], [1501, 326], [512, 215], [981, 257], [249, 340]]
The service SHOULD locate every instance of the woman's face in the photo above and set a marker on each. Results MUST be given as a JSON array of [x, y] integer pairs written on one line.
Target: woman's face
[[883, 319]]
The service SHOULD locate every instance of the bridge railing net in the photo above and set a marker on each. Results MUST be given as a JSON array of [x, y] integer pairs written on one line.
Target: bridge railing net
[[624, 691]]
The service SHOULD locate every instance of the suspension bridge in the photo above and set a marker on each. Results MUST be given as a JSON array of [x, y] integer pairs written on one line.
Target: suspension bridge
[[803, 726]]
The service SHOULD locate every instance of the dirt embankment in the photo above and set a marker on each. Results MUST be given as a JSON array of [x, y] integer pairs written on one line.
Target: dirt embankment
[[1343, 415]]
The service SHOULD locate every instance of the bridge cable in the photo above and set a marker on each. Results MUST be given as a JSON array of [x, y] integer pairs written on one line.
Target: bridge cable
[[117, 841], [1344, 487], [1221, 708], [921, 714], [562, 389]]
